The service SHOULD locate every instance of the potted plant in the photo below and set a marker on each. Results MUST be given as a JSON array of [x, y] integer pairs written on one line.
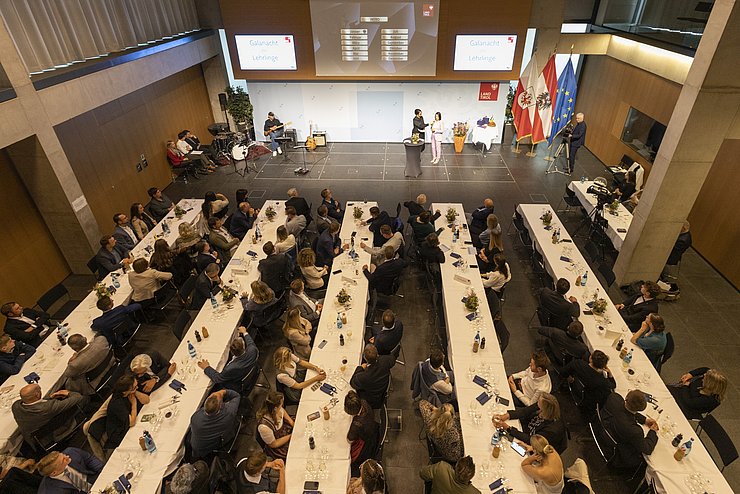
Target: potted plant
[[101, 290], [508, 116], [343, 298], [599, 306], [179, 212], [239, 106], [613, 206], [471, 303], [415, 138], [451, 215], [459, 133], [546, 218], [357, 212], [270, 213], [228, 294]]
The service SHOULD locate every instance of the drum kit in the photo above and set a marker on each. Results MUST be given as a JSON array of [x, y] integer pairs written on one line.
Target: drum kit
[[232, 147]]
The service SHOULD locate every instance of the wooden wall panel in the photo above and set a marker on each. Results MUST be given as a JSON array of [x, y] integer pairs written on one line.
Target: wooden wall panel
[[455, 17], [104, 144], [30, 261]]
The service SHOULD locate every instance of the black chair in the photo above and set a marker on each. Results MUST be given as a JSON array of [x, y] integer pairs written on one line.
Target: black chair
[[670, 347], [607, 273], [570, 200], [43, 440], [92, 265], [102, 370], [577, 391], [539, 269], [53, 296], [260, 320], [187, 168], [397, 351], [382, 434], [181, 324], [721, 440], [605, 443], [502, 334], [593, 251], [184, 294]]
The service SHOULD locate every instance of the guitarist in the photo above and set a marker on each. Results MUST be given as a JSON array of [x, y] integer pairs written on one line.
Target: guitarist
[[273, 130]]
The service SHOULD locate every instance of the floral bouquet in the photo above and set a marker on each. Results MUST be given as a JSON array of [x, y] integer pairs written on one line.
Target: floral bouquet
[[415, 138], [179, 212], [451, 215], [343, 297], [270, 213], [471, 303], [599, 306], [228, 294], [357, 212], [613, 206], [546, 218], [460, 129], [101, 290]]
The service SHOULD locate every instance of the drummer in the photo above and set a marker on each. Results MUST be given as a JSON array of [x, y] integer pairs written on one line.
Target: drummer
[[273, 130]]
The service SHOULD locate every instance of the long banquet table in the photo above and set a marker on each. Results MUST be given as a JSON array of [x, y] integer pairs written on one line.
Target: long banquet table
[[669, 475], [475, 419], [619, 220], [329, 462], [50, 359]]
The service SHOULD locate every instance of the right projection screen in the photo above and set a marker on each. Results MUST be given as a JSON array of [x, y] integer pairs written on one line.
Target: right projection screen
[[484, 52], [375, 38]]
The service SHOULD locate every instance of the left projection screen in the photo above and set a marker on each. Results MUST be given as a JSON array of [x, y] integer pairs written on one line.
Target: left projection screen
[[266, 52]]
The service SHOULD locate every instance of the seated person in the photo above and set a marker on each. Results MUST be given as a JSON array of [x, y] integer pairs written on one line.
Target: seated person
[[385, 277], [26, 325], [438, 378], [323, 220], [284, 241], [274, 426], [206, 256], [309, 308], [299, 204], [297, 331], [216, 424], [141, 221], [377, 219], [214, 204], [294, 223], [145, 282], [625, 190], [160, 204], [529, 384], [64, 472], [429, 250], [32, 412], [559, 311], [274, 269], [478, 221], [447, 479], [123, 407], [261, 298], [291, 380], [328, 246], [208, 283], [493, 227], [387, 337], [499, 275], [151, 371], [636, 308], [422, 225], [316, 277], [87, 356], [333, 206], [18, 471], [165, 259], [123, 233], [176, 157], [651, 338], [252, 476], [221, 240], [544, 466], [244, 353], [243, 220], [564, 345], [115, 323], [390, 239], [621, 417], [186, 241], [541, 418], [190, 479], [596, 378], [13, 354], [370, 378], [363, 430], [417, 206], [371, 479], [442, 427], [699, 392], [111, 256], [488, 251]]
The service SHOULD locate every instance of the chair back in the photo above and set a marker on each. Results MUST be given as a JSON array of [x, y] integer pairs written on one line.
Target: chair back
[[607, 273], [186, 290], [382, 434], [92, 265], [51, 297], [99, 369], [398, 210], [222, 475], [502, 334], [249, 381], [577, 391], [181, 324], [721, 440], [592, 250], [604, 441], [569, 192]]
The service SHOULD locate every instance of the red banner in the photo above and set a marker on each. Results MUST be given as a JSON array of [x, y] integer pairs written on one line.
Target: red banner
[[488, 91]]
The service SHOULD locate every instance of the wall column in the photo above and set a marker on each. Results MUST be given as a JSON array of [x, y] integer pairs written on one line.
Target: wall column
[[704, 116], [547, 18]]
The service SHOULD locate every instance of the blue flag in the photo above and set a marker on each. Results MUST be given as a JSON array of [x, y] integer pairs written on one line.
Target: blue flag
[[565, 102]]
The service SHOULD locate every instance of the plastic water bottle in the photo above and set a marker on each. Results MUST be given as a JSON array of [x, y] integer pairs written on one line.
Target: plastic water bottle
[[214, 302], [628, 358], [166, 227], [257, 231], [339, 321], [116, 283], [584, 278], [191, 350], [149, 442]]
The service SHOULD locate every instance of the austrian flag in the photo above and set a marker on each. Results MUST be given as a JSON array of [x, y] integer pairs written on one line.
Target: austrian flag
[[524, 109], [546, 91]]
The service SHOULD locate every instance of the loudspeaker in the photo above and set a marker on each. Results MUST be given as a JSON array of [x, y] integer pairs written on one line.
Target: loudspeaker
[[222, 100]]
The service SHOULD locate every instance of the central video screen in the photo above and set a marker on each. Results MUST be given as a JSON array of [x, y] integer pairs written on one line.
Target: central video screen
[[375, 38]]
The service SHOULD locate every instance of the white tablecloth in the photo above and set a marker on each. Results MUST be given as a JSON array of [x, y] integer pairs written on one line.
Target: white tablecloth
[[477, 426], [332, 449], [486, 135], [669, 474], [50, 359], [619, 221]]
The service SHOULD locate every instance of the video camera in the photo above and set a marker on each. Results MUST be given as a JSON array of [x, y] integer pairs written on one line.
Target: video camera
[[603, 195]]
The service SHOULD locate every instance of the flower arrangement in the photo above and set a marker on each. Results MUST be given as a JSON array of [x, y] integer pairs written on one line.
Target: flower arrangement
[[270, 213], [451, 215], [415, 138], [179, 212], [357, 212], [546, 218], [343, 297], [460, 129], [101, 290], [613, 206], [599, 306], [471, 303], [228, 294]]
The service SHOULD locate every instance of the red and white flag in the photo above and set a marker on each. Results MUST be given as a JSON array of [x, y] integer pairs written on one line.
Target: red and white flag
[[545, 92], [524, 109]]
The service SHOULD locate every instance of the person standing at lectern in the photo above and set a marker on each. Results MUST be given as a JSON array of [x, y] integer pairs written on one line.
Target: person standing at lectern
[[419, 127], [273, 130], [577, 139]]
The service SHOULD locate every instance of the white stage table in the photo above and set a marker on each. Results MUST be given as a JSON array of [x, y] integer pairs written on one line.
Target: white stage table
[[222, 324], [329, 462], [50, 359], [475, 419], [670, 476], [619, 221], [484, 135]]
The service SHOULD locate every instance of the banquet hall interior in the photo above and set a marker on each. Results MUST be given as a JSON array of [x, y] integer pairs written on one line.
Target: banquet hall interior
[[604, 133]]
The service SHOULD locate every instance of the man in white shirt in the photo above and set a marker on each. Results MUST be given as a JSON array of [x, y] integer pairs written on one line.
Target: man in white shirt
[[394, 240], [442, 381], [528, 384], [123, 233], [251, 473], [294, 223]]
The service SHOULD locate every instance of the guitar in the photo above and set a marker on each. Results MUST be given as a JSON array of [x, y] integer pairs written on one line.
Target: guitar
[[276, 127], [310, 142]]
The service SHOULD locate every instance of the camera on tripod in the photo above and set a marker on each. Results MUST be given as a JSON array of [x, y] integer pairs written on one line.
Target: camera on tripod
[[603, 196], [567, 132]]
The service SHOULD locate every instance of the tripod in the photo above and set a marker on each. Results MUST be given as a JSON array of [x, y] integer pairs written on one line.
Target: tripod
[[553, 168], [284, 141]]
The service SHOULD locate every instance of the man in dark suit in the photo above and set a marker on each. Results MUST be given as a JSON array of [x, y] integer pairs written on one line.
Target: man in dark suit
[[274, 269], [577, 139], [32, 412], [623, 420], [389, 335], [370, 378], [635, 309], [107, 323], [419, 126], [123, 232], [323, 220], [479, 219], [562, 345], [384, 276], [299, 203], [73, 471], [242, 220], [13, 354], [207, 283], [206, 256], [244, 358], [160, 204], [559, 311], [377, 219], [215, 424], [26, 325], [111, 256], [328, 246], [596, 378]]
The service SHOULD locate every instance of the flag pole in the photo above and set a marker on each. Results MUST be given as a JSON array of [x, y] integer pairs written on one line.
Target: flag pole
[[516, 149], [549, 153], [532, 153]]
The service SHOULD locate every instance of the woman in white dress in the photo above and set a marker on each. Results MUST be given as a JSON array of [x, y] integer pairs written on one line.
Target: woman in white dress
[[544, 466], [438, 128]]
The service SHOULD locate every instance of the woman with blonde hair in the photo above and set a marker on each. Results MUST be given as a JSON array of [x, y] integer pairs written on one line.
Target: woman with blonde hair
[[290, 380], [541, 418], [262, 297], [544, 466], [443, 429], [285, 240], [297, 330], [275, 426], [316, 277], [492, 228], [494, 246], [187, 240], [370, 481], [699, 392]]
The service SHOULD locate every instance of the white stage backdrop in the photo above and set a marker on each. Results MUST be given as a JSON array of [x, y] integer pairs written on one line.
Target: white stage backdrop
[[371, 112]]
